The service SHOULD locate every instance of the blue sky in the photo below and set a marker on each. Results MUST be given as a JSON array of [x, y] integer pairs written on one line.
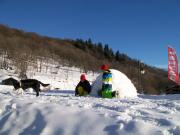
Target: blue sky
[[142, 29]]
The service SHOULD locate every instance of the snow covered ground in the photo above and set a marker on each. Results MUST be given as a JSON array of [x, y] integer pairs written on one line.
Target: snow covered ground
[[59, 112]]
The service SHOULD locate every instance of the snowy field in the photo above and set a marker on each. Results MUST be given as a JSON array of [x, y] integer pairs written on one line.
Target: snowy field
[[59, 112]]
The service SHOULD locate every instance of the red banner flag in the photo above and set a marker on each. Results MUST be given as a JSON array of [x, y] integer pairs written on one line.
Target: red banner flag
[[173, 73]]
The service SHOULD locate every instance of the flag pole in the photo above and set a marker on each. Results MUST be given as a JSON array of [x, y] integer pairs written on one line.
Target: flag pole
[[173, 73]]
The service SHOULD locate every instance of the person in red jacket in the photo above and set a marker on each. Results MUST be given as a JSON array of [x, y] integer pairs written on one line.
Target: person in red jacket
[[83, 88]]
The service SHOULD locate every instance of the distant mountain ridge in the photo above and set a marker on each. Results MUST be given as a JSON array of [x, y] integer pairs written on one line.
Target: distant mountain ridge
[[19, 46]]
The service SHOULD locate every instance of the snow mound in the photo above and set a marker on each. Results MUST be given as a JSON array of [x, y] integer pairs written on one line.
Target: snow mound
[[120, 83]]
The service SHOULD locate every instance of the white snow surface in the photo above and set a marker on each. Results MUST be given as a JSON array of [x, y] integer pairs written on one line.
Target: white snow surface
[[120, 83], [59, 112]]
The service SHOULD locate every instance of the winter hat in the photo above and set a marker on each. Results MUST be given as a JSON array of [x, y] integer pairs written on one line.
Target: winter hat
[[105, 67], [83, 77]]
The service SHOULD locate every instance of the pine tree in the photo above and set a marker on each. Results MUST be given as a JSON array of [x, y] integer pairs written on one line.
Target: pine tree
[[117, 56], [100, 47], [89, 43], [106, 50]]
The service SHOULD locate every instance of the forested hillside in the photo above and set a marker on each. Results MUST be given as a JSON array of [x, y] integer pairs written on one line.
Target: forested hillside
[[20, 46]]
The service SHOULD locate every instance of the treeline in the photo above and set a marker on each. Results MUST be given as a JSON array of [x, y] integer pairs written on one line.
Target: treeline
[[85, 54], [100, 51]]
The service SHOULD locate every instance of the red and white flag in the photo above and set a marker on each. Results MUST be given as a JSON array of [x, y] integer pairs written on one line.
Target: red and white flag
[[173, 73]]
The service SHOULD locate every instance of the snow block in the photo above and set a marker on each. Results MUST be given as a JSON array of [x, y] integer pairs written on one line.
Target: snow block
[[120, 83]]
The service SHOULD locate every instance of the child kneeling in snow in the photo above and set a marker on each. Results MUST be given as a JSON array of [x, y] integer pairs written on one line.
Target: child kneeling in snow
[[83, 88], [106, 91]]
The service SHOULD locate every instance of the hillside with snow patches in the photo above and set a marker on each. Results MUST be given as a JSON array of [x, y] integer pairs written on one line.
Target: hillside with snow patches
[[58, 112]]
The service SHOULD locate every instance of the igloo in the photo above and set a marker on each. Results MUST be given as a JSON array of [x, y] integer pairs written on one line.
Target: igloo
[[120, 83]]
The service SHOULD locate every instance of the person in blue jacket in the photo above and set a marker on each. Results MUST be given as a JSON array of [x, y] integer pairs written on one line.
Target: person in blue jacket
[[106, 91]]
